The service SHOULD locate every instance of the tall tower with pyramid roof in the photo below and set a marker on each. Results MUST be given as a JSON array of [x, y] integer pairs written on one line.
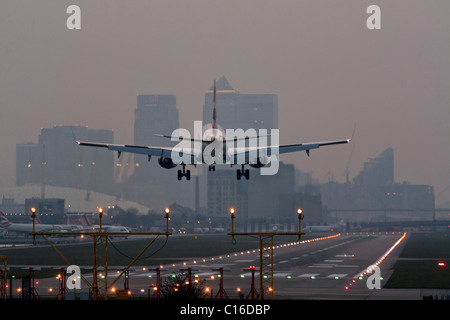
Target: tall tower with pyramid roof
[[236, 110]]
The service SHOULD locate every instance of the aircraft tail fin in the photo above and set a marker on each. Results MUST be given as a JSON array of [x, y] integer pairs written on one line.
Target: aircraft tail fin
[[38, 221], [85, 222], [67, 221], [3, 216], [5, 222]]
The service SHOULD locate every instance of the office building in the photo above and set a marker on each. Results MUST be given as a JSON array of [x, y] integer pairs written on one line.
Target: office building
[[155, 114], [45, 207], [378, 171], [149, 183], [257, 199], [375, 196]]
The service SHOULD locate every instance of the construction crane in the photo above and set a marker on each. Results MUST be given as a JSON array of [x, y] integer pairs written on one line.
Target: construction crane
[[346, 172], [80, 168], [43, 165], [91, 176]]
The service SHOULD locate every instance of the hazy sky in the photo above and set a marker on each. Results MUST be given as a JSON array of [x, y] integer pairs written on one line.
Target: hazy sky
[[327, 68]]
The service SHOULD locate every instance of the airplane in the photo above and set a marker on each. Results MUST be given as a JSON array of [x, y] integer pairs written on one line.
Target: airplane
[[197, 155], [61, 227], [28, 227], [88, 227], [321, 228]]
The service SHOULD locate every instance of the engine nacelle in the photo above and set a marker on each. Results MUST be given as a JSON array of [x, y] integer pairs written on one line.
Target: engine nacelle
[[166, 163], [260, 162]]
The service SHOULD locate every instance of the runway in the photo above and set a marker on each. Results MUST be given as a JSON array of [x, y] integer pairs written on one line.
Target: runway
[[321, 269], [325, 267]]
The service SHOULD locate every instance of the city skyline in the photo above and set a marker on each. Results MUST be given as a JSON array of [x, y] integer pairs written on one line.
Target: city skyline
[[327, 69], [144, 133]]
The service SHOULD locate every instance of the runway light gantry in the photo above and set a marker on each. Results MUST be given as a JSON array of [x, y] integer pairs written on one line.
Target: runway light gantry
[[100, 284], [265, 253]]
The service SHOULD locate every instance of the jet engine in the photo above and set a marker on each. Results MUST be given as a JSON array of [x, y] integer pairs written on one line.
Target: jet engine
[[166, 163], [260, 162]]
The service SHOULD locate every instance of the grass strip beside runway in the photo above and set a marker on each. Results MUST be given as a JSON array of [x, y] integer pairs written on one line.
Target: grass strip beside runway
[[417, 266]]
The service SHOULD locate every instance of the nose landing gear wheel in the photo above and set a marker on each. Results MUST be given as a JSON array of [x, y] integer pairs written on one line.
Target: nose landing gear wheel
[[184, 173], [242, 172]]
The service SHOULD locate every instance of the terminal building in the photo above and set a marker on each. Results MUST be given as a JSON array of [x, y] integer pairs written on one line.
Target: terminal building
[[47, 206]]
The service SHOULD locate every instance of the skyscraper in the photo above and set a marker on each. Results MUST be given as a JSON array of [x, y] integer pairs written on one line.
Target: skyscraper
[[378, 171], [238, 111], [149, 183], [155, 114]]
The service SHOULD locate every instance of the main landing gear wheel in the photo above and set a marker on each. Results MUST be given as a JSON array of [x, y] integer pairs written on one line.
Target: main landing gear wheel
[[242, 172], [184, 173]]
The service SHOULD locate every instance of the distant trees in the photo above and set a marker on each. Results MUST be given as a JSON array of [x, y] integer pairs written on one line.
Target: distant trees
[[179, 286], [127, 218]]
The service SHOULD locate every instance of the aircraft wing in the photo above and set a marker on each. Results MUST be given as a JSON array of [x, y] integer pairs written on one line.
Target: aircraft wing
[[249, 153], [165, 152], [255, 152], [308, 146]]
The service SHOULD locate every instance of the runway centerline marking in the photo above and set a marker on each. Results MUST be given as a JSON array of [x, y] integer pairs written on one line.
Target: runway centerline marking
[[308, 275], [337, 275]]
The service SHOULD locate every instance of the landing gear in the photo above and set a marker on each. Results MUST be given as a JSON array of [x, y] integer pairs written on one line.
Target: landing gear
[[242, 172], [212, 168], [184, 173]]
